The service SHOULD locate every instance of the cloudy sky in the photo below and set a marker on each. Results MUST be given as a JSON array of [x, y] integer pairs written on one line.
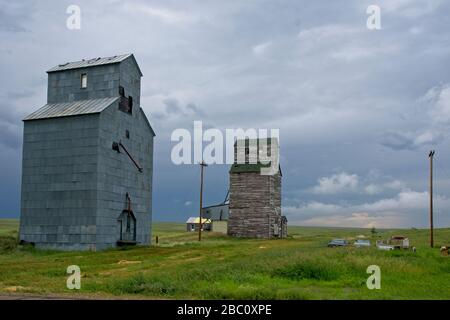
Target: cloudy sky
[[358, 109]]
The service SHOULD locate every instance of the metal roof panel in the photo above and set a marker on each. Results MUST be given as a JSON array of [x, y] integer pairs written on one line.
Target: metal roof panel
[[197, 220], [89, 63], [64, 109]]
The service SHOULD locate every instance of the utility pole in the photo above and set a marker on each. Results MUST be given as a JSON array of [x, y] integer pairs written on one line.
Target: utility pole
[[430, 155], [202, 165]]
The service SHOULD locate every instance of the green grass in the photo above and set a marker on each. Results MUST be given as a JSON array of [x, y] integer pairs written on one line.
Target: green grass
[[220, 267], [9, 227], [8, 234]]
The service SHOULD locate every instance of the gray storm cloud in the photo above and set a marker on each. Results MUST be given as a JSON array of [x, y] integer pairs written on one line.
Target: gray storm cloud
[[346, 99]]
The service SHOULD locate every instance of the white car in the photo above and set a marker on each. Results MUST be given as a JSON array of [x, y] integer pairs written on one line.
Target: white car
[[362, 243], [384, 246]]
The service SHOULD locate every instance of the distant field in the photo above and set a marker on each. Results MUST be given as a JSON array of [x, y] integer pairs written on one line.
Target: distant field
[[301, 267], [9, 227]]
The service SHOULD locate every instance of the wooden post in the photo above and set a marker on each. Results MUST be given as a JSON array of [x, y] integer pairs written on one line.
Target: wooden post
[[430, 155], [202, 164]]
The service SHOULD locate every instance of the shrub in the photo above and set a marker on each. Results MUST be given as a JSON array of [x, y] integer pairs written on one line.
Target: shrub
[[139, 284], [7, 243], [308, 270]]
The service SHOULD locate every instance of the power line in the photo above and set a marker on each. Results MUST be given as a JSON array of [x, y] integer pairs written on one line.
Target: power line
[[442, 168], [436, 191]]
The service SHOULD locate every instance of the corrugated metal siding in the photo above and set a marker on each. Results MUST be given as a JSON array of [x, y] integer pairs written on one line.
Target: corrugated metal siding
[[219, 212], [89, 63], [54, 110]]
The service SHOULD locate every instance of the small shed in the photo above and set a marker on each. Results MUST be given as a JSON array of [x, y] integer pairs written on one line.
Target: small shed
[[192, 224]]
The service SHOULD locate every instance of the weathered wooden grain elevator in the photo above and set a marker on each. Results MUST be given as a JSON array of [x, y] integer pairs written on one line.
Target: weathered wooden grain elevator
[[255, 198]]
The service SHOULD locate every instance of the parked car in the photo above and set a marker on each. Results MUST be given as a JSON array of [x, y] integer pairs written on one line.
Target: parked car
[[337, 243], [362, 243], [384, 246]]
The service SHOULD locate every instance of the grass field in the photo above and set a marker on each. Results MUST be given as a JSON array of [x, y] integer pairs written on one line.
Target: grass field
[[300, 267]]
